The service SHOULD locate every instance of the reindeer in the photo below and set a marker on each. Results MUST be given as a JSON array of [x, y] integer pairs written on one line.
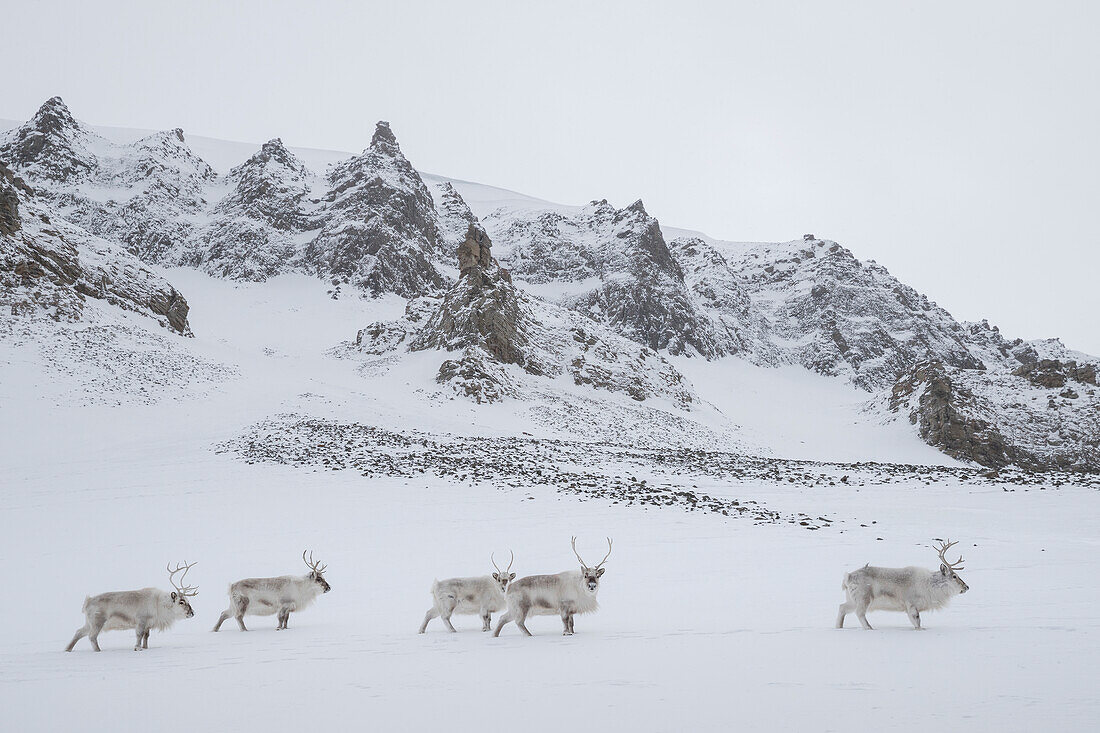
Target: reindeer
[[142, 610], [268, 596], [481, 595], [566, 594], [910, 589]]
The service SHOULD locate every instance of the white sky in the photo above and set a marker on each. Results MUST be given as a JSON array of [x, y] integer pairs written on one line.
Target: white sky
[[954, 142]]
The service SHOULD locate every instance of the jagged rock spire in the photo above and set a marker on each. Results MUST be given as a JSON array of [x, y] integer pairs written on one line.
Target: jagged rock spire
[[384, 138], [476, 251], [53, 116]]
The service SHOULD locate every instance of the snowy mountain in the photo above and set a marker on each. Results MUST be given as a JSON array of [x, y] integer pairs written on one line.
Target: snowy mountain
[[597, 296], [495, 326], [612, 265], [49, 267]]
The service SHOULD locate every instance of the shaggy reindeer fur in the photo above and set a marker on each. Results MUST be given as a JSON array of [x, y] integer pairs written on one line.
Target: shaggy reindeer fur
[[910, 589], [566, 594], [143, 610], [482, 596], [270, 596]]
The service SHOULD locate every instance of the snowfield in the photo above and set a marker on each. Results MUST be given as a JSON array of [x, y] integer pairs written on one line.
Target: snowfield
[[708, 621]]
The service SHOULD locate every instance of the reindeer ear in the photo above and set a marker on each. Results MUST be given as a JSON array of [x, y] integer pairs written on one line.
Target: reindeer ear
[[496, 576], [943, 570], [599, 573], [512, 576], [173, 595]]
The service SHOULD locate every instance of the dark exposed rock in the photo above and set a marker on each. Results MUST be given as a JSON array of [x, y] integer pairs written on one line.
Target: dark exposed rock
[[941, 423], [995, 418], [637, 288], [50, 269], [254, 230], [50, 146], [1053, 373], [482, 310], [380, 231], [836, 315], [494, 324], [9, 202]]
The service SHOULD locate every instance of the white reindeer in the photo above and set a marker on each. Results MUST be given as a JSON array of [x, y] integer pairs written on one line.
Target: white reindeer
[[481, 595], [564, 594], [142, 610], [910, 589], [269, 596]]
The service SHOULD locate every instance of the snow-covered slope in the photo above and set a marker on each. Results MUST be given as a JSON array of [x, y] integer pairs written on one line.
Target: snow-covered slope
[[302, 450]]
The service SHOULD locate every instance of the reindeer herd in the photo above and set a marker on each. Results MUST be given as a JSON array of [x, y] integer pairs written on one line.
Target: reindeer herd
[[910, 589]]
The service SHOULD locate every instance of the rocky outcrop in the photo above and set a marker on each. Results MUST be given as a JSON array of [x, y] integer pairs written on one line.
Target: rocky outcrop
[[455, 216], [380, 232], [510, 344], [1052, 373], [144, 196], [51, 147], [9, 201], [997, 418], [612, 265], [49, 267], [255, 229], [838, 316]]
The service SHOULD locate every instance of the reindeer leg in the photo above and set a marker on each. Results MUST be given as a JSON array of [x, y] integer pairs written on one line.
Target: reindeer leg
[[80, 634], [284, 617], [222, 619], [242, 606], [486, 620], [94, 627], [501, 622], [145, 640], [566, 617], [142, 626], [521, 617], [845, 609], [861, 614], [446, 611], [914, 615], [432, 613]]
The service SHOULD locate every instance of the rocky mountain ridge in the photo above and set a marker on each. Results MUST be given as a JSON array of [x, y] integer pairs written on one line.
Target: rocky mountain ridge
[[592, 283], [507, 342]]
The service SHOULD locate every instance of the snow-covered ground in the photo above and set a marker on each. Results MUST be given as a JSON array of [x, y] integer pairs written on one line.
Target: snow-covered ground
[[707, 622]]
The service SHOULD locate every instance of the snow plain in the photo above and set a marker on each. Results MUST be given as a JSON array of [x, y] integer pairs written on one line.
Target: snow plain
[[706, 622]]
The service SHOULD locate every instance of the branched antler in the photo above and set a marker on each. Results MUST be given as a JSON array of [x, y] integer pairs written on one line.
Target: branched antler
[[942, 550], [314, 566], [183, 590], [583, 563]]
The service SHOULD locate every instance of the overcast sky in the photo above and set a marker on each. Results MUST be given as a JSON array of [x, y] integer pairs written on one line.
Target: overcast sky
[[955, 143]]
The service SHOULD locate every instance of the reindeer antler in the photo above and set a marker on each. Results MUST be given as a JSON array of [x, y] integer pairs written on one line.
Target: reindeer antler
[[510, 561], [183, 590], [942, 550], [609, 541], [573, 544], [583, 563], [314, 566]]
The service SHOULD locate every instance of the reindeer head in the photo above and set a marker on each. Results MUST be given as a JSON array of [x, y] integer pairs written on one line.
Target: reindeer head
[[316, 570], [947, 569], [182, 592], [505, 577], [590, 577]]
